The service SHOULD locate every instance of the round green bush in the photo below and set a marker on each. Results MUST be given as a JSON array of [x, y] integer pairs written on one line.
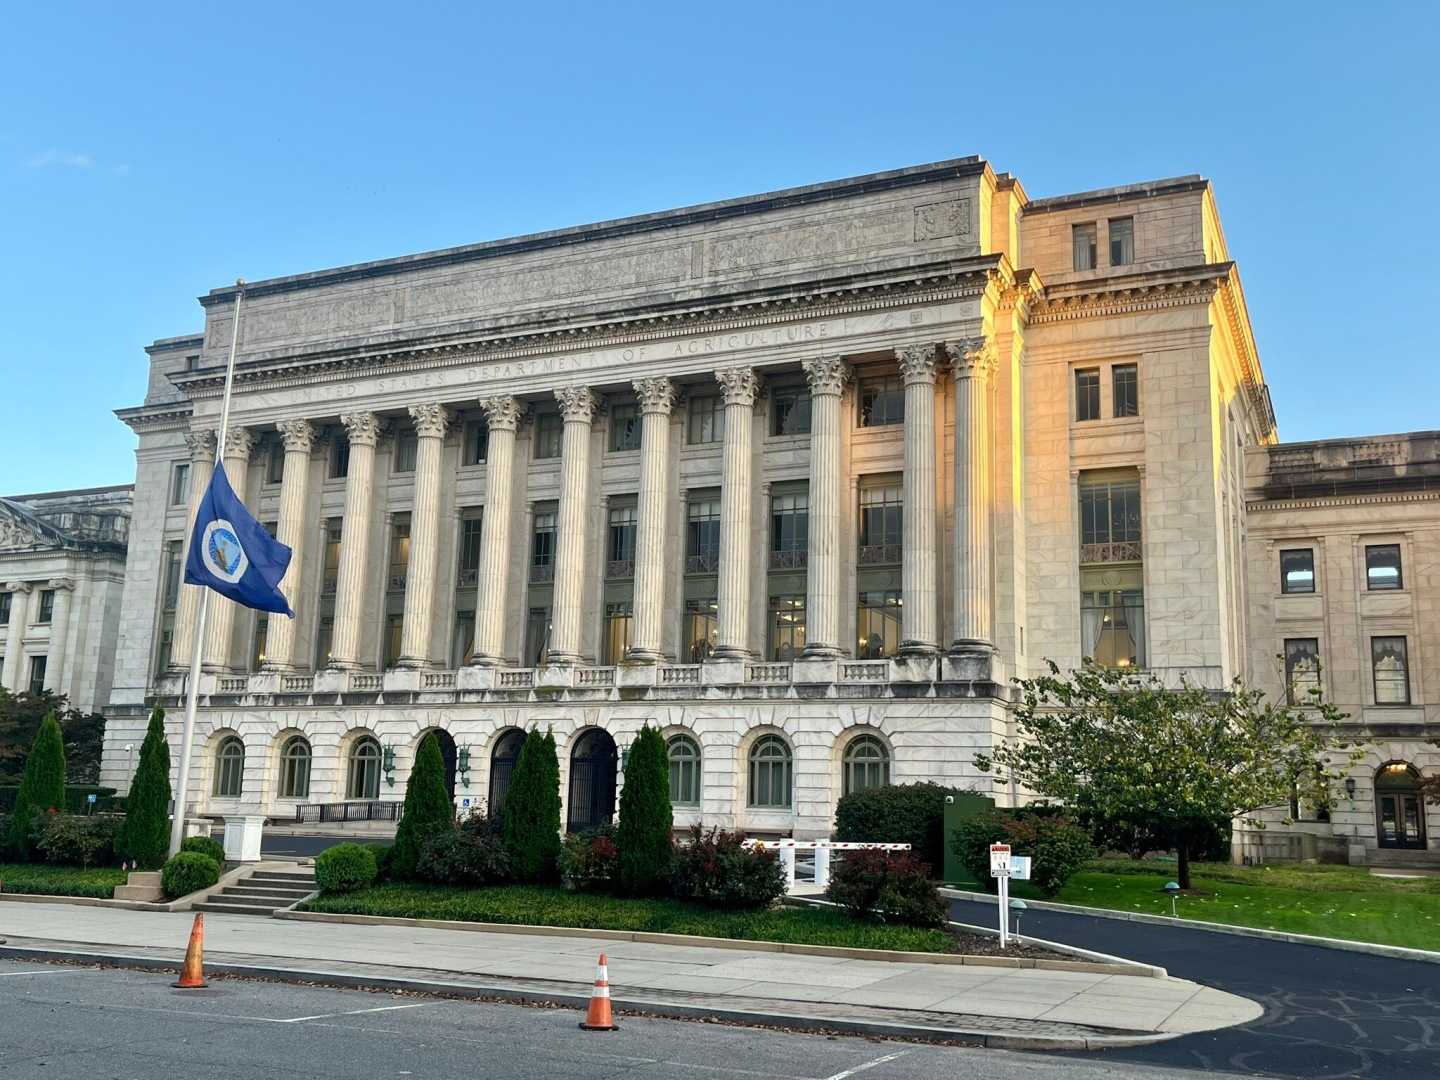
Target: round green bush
[[345, 868], [873, 884], [188, 872], [1057, 846], [206, 845], [911, 814]]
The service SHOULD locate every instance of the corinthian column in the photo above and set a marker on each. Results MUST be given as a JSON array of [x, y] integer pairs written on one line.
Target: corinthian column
[[15, 633], [239, 441], [918, 579], [187, 606], [363, 430], [657, 398], [299, 437], [577, 406], [827, 375], [59, 633], [431, 422], [503, 415], [974, 361], [738, 385]]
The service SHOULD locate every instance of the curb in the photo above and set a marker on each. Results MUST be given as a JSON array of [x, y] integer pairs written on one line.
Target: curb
[[180, 903], [1393, 952], [581, 998], [1107, 966]]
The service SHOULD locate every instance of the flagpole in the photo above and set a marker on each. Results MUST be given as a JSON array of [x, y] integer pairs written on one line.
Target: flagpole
[[197, 644]]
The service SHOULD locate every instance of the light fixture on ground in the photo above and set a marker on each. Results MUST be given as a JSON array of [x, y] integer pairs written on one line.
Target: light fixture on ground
[[1018, 908], [1173, 888]]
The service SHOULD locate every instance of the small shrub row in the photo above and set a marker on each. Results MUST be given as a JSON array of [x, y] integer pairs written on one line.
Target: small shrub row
[[76, 799], [42, 879], [716, 868], [873, 884], [590, 861], [1057, 846], [911, 814], [75, 840]]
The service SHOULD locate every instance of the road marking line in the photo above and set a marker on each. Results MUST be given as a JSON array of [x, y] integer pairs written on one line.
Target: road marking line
[[46, 971], [868, 1065], [358, 1012]]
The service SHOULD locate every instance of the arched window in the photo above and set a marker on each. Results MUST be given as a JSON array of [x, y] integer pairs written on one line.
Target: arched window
[[684, 771], [771, 772], [364, 770], [1399, 806], [229, 768], [295, 768], [866, 764], [503, 760]]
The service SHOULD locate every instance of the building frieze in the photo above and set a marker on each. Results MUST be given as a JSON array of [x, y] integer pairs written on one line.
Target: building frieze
[[170, 416], [1330, 501]]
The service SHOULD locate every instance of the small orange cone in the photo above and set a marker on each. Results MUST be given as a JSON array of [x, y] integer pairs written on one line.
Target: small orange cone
[[599, 1018], [192, 975]]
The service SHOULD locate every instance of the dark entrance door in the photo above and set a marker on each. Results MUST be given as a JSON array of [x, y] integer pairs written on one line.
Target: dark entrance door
[[447, 753], [592, 781], [1399, 809], [502, 765]]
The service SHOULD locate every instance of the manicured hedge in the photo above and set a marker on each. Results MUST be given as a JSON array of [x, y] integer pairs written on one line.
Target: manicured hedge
[[206, 845], [345, 868], [188, 872], [42, 879], [75, 798], [911, 814]]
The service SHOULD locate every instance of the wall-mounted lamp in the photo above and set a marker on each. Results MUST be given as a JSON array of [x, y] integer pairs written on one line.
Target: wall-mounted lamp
[[462, 764], [1349, 787], [387, 763]]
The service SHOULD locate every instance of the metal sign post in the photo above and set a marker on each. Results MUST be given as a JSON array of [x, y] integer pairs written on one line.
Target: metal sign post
[[1000, 871]]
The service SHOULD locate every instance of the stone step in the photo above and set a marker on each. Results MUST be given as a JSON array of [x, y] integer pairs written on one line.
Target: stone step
[[236, 909], [249, 896], [250, 885]]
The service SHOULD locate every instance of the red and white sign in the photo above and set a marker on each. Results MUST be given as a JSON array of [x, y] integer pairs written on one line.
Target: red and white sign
[[999, 860]]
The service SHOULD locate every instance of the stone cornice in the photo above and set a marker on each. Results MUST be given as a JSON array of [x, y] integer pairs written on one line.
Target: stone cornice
[[169, 416], [1331, 501]]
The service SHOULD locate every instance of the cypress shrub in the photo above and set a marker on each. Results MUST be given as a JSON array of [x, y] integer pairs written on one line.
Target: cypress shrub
[[42, 789], [428, 810], [145, 836], [532, 811], [646, 817]]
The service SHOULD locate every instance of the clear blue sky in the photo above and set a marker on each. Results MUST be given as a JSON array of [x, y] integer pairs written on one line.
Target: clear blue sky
[[150, 152]]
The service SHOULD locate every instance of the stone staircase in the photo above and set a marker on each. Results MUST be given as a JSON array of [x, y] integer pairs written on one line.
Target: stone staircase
[[262, 893]]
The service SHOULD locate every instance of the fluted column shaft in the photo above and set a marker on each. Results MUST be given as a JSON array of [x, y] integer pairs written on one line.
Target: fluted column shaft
[[187, 604], [732, 635], [431, 422], [657, 398], [59, 634], [363, 430], [220, 626], [919, 581], [827, 375], [15, 634], [503, 414], [290, 530], [577, 406], [973, 361]]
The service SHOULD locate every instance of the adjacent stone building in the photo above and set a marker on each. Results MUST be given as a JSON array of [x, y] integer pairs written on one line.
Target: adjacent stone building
[[62, 572], [802, 478]]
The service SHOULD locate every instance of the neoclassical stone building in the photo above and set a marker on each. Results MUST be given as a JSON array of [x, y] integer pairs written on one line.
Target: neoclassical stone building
[[802, 478]]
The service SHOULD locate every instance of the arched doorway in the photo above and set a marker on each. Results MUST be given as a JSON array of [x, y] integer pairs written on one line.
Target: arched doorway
[[502, 766], [1399, 807], [447, 754], [592, 781]]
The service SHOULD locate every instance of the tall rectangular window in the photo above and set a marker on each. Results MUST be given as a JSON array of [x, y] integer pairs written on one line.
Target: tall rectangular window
[[542, 547], [1087, 393], [707, 419], [47, 605], [619, 621], [537, 637], [620, 542], [1297, 570], [6, 599], [789, 530], [882, 401], [275, 463], [549, 432], [407, 447], [878, 620], [790, 411], [1302, 670], [881, 525], [1112, 627], [701, 631], [394, 628], [169, 601], [787, 625], [180, 484], [462, 647], [324, 638], [1390, 663], [1122, 241], [339, 457], [1382, 567], [624, 428], [469, 574], [1082, 240], [399, 552], [37, 674], [702, 536], [262, 632], [1109, 519], [477, 442], [332, 558], [1125, 390]]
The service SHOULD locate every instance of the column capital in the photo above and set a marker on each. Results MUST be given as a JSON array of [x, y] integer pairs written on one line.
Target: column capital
[[239, 442], [297, 435], [201, 444], [827, 374], [577, 404], [971, 357], [502, 413], [431, 420], [361, 428], [17, 587], [656, 395], [738, 385], [917, 363], [60, 584]]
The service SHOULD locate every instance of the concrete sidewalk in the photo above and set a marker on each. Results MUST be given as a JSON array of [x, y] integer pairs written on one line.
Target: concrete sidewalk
[[997, 1006]]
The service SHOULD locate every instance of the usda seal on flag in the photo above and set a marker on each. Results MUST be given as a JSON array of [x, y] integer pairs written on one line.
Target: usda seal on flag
[[232, 553]]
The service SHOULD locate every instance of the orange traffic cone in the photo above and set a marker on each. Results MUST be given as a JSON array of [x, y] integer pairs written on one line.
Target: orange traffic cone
[[192, 975], [598, 1018]]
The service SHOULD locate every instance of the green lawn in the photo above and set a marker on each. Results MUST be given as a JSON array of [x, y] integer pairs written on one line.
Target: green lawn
[[96, 881], [1328, 901], [534, 906]]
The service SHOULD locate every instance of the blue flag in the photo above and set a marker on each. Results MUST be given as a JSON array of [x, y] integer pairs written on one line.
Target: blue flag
[[232, 553]]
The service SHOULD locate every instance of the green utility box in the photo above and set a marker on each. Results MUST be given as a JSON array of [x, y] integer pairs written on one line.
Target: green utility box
[[963, 808]]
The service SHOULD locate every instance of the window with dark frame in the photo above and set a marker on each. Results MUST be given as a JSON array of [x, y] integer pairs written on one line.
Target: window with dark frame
[[1087, 393], [790, 411], [1297, 570], [339, 458], [881, 525], [787, 625], [1125, 390], [624, 428], [549, 433], [620, 542], [1122, 241], [619, 622], [702, 536], [47, 606], [1302, 670], [789, 530], [407, 448], [706, 420], [684, 754], [330, 579], [878, 624], [469, 570], [477, 442], [37, 674], [702, 629], [6, 600], [882, 401], [542, 546], [180, 484], [275, 463], [1082, 241], [1382, 567], [1390, 668]]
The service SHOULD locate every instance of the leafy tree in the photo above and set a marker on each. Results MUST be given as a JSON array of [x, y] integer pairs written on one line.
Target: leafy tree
[[145, 836], [20, 718], [532, 810], [42, 789], [1123, 748], [646, 817], [428, 809]]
